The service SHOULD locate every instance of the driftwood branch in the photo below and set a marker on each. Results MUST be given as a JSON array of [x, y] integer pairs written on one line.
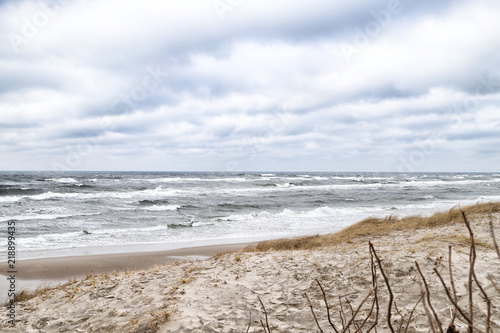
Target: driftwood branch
[[327, 307], [249, 321], [411, 314], [428, 294], [492, 231], [314, 315], [265, 313], [357, 310], [391, 296], [455, 297], [375, 287], [472, 261]]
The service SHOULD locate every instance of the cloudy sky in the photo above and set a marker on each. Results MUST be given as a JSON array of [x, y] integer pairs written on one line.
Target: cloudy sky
[[234, 85]]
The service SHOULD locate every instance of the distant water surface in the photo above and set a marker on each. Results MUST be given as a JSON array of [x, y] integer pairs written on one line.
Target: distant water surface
[[53, 211]]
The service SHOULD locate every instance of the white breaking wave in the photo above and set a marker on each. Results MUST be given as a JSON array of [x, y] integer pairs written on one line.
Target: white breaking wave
[[62, 180], [163, 208]]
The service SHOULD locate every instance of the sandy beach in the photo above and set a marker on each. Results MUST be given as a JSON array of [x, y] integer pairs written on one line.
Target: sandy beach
[[78, 266], [221, 294]]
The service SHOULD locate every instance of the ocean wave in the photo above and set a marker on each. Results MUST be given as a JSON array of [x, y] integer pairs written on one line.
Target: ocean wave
[[132, 195], [193, 179], [279, 184], [163, 208], [180, 225], [10, 191], [287, 213], [32, 216], [62, 180], [151, 202], [162, 192]]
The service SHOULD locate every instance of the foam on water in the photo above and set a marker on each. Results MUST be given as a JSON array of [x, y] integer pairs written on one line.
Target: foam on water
[[122, 209]]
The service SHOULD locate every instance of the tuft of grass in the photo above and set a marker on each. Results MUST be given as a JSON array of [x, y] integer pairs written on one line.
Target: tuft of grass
[[24, 295], [374, 227], [456, 240], [220, 255], [159, 317]]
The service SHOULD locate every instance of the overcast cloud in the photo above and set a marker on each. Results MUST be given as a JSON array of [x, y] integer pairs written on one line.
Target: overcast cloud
[[234, 85]]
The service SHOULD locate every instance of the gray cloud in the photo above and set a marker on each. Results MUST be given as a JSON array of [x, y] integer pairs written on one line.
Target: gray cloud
[[274, 85]]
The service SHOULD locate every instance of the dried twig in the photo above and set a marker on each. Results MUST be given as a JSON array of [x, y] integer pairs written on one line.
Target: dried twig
[[314, 315], [479, 329], [473, 273], [411, 313], [488, 303], [249, 321], [492, 230], [391, 296], [265, 312], [401, 315], [263, 326], [429, 316], [490, 278], [472, 260], [446, 289], [375, 288], [371, 310], [342, 314], [356, 312], [327, 307], [350, 306], [427, 292], [452, 285]]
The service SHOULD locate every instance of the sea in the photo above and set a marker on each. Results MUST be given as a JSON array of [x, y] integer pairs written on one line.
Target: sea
[[69, 213]]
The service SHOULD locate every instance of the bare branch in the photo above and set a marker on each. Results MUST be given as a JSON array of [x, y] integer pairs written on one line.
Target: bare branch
[[446, 289], [490, 278], [472, 259], [473, 273], [492, 230], [375, 287], [249, 321], [429, 298], [479, 329], [314, 315], [488, 303], [401, 315], [357, 310], [455, 297], [265, 312], [327, 307], [263, 326], [342, 314], [411, 313], [391, 296], [350, 306], [371, 310], [429, 316]]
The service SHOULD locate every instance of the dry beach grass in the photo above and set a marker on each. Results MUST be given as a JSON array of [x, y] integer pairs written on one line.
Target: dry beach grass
[[376, 227], [282, 286]]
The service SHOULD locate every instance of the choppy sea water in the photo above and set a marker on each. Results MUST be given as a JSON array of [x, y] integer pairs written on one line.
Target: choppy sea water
[[71, 211]]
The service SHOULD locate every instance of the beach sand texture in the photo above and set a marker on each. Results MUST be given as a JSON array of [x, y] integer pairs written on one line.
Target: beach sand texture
[[221, 294]]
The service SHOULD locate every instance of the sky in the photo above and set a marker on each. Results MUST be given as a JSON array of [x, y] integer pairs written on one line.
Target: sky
[[250, 85]]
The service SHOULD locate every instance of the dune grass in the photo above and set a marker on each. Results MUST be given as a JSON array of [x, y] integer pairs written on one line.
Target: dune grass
[[374, 227]]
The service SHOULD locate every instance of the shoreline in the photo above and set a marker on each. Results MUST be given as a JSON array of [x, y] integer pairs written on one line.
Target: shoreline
[[56, 268]]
